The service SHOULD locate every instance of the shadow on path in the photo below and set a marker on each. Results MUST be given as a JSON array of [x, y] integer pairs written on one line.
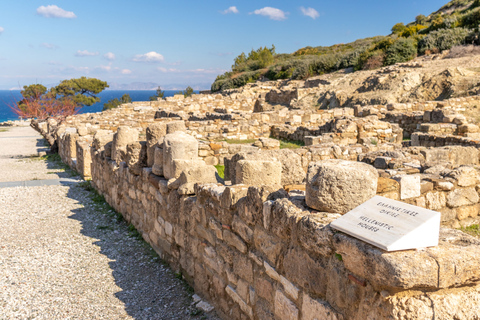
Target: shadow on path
[[149, 288]]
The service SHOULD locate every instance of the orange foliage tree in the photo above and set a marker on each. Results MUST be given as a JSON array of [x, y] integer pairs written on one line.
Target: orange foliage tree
[[59, 102], [44, 107]]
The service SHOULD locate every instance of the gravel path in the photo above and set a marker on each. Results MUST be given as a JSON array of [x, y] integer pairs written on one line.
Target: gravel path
[[62, 256]]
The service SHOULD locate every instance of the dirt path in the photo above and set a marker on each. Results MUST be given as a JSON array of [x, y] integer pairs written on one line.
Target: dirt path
[[64, 254]]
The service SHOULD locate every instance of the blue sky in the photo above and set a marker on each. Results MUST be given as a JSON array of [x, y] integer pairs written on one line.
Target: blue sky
[[178, 42]]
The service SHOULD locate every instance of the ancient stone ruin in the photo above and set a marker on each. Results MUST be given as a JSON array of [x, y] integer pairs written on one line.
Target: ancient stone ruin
[[258, 244]]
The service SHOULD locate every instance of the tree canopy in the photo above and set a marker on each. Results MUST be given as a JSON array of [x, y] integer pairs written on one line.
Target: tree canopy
[[59, 101], [82, 91], [113, 103], [158, 94]]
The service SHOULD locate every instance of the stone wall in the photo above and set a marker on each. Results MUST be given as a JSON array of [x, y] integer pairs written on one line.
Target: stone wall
[[257, 253], [254, 249], [342, 131]]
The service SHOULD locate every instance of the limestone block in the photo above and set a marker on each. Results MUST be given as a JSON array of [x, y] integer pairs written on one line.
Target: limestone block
[[284, 308], [101, 138], [292, 168], [435, 200], [178, 145], [195, 174], [155, 132], [270, 144], [462, 197], [463, 155], [313, 309], [175, 126], [338, 186], [385, 185], [466, 176], [466, 212], [252, 172], [123, 137], [180, 165], [410, 186], [157, 167], [84, 159], [136, 157], [211, 161]]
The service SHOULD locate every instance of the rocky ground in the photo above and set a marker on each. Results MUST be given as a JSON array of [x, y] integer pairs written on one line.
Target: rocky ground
[[450, 74], [65, 255]]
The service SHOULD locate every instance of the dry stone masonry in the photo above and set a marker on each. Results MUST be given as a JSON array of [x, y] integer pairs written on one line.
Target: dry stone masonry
[[258, 243]]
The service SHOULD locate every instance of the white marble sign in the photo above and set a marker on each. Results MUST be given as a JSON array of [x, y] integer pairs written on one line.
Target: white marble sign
[[391, 225]]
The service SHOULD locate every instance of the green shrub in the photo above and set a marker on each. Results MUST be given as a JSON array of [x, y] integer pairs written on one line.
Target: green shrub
[[471, 20], [442, 39], [350, 59], [401, 50], [113, 103], [398, 28]]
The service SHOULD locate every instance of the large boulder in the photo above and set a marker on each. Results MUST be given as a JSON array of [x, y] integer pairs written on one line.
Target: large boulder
[[338, 186], [178, 146]]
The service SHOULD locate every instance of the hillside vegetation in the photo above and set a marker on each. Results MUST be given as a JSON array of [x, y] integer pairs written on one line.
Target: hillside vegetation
[[456, 23]]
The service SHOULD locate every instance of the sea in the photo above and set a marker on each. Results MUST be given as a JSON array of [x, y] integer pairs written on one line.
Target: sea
[[9, 97]]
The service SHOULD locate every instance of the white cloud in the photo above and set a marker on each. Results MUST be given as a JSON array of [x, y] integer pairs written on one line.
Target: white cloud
[[85, 53], [52, 11], [1, 30], [197, 71], [310, 12], [149, 57], [104, 68], [126, 71], [272, 13], [49, 45], [232, 9], [109, 56]]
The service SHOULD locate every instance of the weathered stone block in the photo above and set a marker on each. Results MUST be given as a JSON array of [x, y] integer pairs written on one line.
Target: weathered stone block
[[175, 126], [136, 157], [157, 167], [123, 137], [284, 308], [462, 197], [154, 133], [410, 186], [435, 200], [313, 309], [466, 176], [338, 186], [252, 172], [178, 146]]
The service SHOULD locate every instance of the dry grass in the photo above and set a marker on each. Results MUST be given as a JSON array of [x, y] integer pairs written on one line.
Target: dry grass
[[463, 51]]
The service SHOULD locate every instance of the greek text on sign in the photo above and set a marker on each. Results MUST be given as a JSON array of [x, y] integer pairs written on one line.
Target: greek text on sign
[[391, 225]]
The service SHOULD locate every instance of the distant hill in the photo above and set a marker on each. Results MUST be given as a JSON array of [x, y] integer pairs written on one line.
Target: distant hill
[[456, 23], [154, 86]]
